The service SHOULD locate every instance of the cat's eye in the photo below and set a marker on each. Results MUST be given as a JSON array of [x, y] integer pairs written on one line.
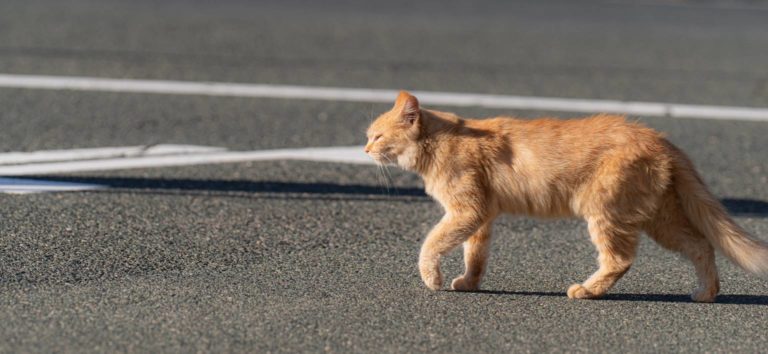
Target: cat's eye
[[377, 137]]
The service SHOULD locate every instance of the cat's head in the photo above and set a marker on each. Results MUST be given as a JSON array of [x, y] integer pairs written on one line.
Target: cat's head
[[393, 136]]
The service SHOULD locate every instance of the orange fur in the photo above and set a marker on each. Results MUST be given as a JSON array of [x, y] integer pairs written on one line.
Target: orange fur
[[621, 177]]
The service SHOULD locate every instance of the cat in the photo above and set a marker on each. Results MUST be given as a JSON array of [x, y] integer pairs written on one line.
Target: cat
[[621, 177]]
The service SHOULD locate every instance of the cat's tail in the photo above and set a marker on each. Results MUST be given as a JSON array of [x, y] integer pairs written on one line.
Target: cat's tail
[[709, 217]]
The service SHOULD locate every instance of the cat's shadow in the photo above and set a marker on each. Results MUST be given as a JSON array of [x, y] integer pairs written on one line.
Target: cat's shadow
[[733, 299], [305, 190]]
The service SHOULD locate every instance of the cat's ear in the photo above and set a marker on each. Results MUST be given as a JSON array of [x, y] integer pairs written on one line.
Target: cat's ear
[[409, 107]]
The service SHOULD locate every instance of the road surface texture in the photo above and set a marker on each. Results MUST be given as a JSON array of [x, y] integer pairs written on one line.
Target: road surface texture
[[293, 256]]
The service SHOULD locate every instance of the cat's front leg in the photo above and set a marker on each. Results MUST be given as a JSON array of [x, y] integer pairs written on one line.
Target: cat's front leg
[[450, 232]]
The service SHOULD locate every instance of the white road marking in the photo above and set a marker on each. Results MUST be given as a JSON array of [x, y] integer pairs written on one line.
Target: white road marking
[[101, 153], [751, 6], [344, 154], [28, 186], [655, 109]]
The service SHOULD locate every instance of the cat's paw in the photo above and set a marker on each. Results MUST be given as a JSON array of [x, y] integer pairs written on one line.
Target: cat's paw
[[432, 279], [704, 295], [463, 284], [429, 268], [577, 291]]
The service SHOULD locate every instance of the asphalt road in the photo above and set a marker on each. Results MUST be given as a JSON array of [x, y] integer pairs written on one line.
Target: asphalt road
[[289, 256]]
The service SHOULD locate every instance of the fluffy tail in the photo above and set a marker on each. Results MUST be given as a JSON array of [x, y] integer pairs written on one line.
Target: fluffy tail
[[709, 216]]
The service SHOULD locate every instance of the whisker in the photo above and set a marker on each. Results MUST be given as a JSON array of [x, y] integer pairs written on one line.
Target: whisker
[[390, 179], [380, 179], [378, 175], [389, 174], [384, 178]]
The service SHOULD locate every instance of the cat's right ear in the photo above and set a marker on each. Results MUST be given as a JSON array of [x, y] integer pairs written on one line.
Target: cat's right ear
[[409, 107]]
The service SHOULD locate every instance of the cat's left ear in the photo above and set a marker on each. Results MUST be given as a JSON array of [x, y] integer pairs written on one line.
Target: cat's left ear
[[410, 111]]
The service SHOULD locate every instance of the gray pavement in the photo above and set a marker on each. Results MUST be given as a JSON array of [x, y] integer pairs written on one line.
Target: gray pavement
[[307, 257]]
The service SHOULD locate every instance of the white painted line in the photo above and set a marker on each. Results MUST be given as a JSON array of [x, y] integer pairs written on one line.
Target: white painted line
[[350, 154], [27, 186], [543, 103], [740, 6], [11, 158], [654, 109]]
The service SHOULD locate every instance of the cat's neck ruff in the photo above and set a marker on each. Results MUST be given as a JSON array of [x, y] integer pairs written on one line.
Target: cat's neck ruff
[[409, 158]]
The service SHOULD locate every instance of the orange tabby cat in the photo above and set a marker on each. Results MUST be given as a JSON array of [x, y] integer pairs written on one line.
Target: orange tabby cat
[[622, 177]]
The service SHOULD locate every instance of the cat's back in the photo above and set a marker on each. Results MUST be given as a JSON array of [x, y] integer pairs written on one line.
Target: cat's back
[[591, 125], [602, 131], [562, 141], [563, 146]]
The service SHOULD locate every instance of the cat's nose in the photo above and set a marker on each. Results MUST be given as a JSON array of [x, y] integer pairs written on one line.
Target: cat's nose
[[367, 149]]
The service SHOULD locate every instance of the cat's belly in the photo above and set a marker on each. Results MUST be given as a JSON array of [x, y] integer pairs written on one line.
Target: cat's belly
[[537, 206], [543, 200]]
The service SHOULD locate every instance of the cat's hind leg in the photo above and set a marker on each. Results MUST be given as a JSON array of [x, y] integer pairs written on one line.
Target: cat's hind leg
[[672, 230], [616, 247], [475, 259]]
